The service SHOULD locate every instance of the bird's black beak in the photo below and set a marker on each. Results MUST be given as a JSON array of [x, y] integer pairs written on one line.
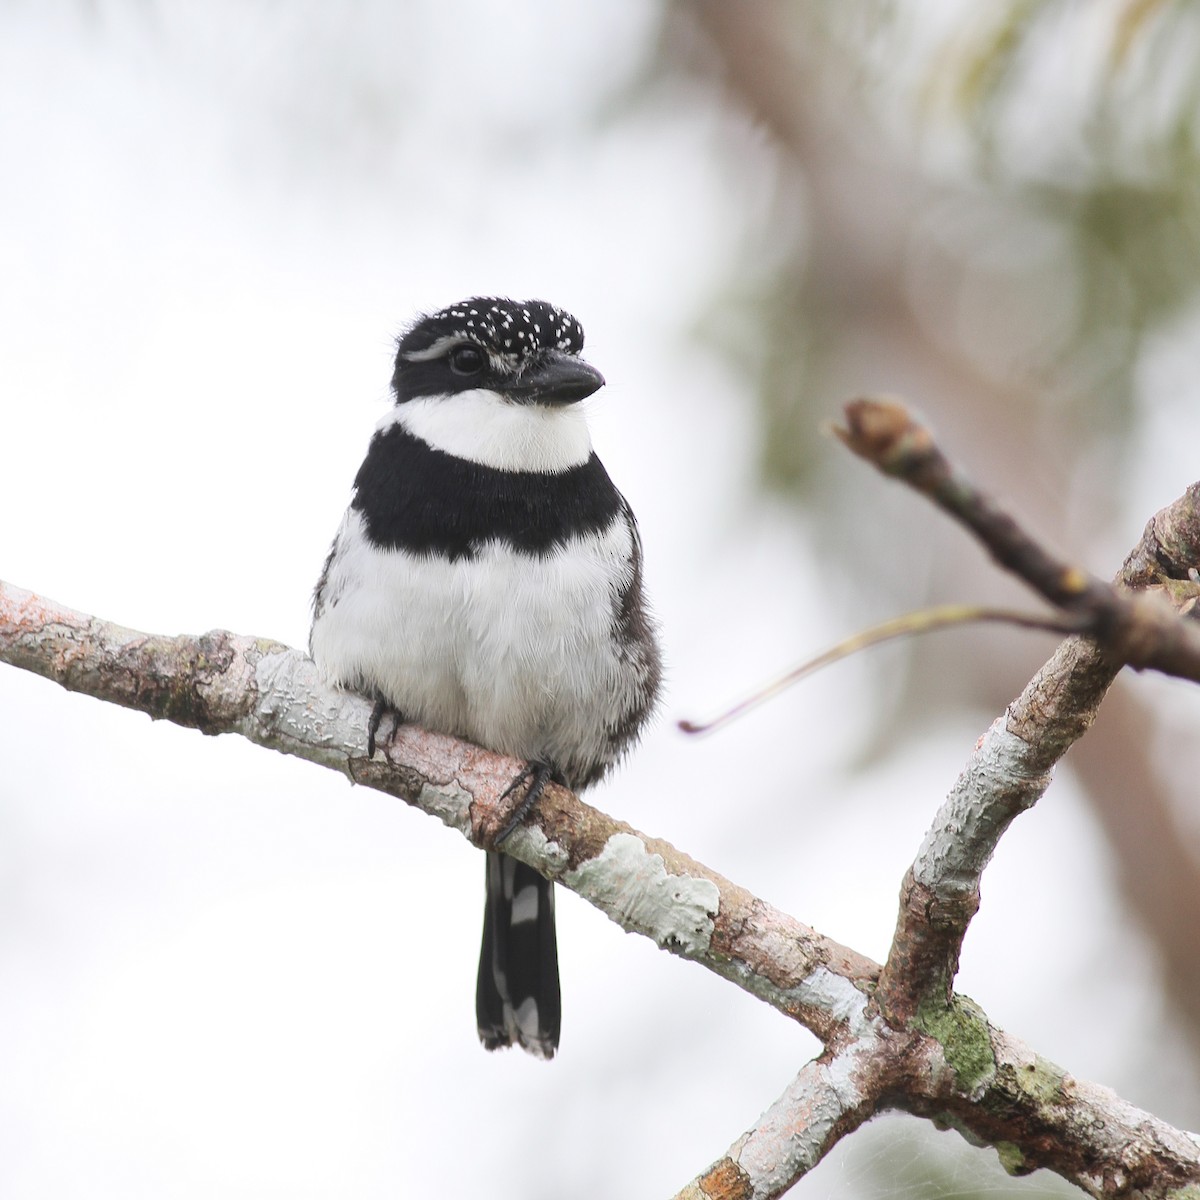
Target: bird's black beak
[[556, 378]]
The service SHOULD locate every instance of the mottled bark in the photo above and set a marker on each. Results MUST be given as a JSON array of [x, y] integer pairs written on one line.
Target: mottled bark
[[911, 1044], [220, 682]]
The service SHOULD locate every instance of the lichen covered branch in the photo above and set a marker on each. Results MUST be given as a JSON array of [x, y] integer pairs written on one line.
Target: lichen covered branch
[[821, 1105], [1140, 620], [224, 683], [944, 1061]]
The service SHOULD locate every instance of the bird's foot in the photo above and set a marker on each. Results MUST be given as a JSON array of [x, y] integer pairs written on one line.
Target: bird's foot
[[377, 714], [538, 774]]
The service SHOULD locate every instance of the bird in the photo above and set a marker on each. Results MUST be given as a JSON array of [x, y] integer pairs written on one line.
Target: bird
[[486, 582]]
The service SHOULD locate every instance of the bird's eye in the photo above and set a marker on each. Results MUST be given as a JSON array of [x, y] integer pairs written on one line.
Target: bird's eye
[[466, 360]]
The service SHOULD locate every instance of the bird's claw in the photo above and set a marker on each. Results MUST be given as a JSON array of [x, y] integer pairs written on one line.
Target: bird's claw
[[377, 714], [538, 774]]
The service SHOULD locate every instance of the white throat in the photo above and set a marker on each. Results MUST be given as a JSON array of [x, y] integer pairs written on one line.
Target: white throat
[[485, 428]]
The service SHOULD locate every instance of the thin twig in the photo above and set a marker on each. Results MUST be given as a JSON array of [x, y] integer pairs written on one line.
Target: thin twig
[[1140, 631], [927, 620]]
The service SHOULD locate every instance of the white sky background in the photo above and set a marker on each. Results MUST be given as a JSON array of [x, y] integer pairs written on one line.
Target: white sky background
[[226, 973]]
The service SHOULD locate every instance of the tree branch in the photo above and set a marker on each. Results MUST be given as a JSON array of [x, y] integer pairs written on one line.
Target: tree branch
[[1137, 630], [220, 682], [821, 1105], [1012, 765], [941, 1060], [955, 1069]]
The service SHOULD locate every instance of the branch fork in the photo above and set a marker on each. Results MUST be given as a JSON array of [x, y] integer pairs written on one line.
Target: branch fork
[[895, 1036]]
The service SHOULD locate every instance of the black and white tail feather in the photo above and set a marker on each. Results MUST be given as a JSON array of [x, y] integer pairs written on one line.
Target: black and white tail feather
[[486, 582], [517, 997]]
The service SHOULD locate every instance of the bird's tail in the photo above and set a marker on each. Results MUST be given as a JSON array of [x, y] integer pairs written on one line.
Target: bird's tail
[[517, 999]]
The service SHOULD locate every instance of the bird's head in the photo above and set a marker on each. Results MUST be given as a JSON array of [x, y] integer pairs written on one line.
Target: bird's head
[[497, 381], [526, 352]]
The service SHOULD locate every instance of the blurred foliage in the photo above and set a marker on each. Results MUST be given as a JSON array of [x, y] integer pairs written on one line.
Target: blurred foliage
[[904, 1158], [1130, 203], [1077, 122]]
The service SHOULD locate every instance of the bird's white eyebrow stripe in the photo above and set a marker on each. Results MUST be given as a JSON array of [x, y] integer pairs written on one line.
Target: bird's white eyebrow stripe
[[438, 348]]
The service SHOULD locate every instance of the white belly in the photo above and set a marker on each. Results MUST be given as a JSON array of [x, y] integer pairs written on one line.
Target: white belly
[[510, 650]]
